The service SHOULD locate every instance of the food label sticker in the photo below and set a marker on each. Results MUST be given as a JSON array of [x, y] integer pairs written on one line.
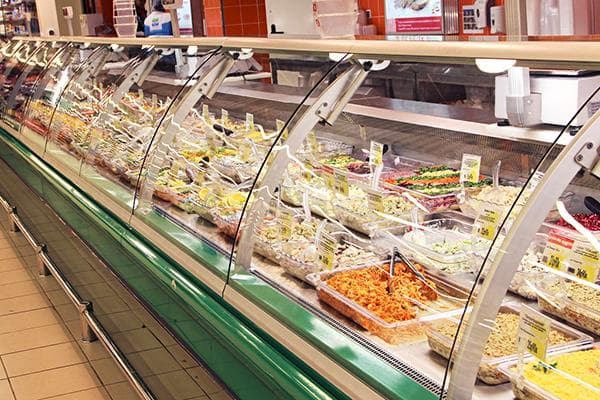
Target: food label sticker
[[205, 113], [486, 224], [557, 251], [469, 169], [326, 247], [224, 116], [329, 178], [249, 122], [313, 145], [375, 200], [376, 153], [280, 124], [532, 336], [286, 221], [341, 183], [584, 261]]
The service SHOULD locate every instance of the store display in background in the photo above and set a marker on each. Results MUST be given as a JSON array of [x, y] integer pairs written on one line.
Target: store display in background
[[482, 17], [421, 16]]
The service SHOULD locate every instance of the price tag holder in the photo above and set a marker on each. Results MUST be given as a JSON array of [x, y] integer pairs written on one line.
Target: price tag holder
[[224, 117], [376, 153], [326, 248], [470, 167], [535, 180], [174, 170], [584, 261], [306, 206], [329, 178], [487, 222], [205, 112], [532, 336], [307, 173], [557, 251], [362, 133], [245, 150], [375, 200], [249, 122]]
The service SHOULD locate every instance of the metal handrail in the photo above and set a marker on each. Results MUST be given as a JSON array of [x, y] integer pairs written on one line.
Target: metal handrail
[[91, 328]]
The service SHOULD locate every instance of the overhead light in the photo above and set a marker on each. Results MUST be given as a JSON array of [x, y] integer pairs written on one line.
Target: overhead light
[[494, 65]]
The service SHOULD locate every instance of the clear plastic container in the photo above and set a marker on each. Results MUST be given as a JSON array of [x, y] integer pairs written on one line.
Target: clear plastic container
[[124, 19], [489, 371], [336, 25], [524, 389], [234, 168], [353, 211], [126, 30], [226, 224], [394, 332], [425, 245], [323, 7], [558, 296]]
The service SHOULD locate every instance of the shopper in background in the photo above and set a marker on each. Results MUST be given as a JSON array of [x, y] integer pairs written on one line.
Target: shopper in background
[[141, 14], [158, 23]]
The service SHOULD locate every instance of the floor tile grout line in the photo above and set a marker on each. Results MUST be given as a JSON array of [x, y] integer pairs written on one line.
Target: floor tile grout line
[[49, 369], [8, 380]]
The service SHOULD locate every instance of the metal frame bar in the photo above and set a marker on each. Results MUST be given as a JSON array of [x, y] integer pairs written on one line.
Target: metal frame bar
[[91, 328]]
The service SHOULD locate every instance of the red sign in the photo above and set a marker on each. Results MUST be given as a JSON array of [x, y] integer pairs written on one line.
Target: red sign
[[419, 24]]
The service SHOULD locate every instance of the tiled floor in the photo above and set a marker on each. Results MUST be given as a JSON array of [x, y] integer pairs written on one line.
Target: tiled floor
[[41, 356]]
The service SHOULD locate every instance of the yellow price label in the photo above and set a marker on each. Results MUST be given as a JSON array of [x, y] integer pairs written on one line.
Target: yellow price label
[[307, 173], [326, 248], [245, 150], [532, 336], [486, 223], [375, 200], [329, 179], [376, 153], [557, 251], [341, 183], [313, 145], [469, 169], [584, 261], [286, 225], [205, 112]]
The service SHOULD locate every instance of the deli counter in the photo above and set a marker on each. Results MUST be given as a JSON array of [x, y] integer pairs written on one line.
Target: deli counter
[[396, 248]]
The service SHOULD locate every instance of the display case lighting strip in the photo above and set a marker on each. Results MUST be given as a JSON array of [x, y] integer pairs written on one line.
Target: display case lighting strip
[[91, 328]]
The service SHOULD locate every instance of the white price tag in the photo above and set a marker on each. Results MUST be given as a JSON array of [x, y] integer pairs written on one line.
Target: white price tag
[[470, 167], [249, 122]]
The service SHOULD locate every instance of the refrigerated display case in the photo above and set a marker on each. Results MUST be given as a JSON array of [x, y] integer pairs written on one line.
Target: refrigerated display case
[[371, 240]]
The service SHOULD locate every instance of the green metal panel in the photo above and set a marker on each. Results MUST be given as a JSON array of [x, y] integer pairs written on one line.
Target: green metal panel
[[257, 348]]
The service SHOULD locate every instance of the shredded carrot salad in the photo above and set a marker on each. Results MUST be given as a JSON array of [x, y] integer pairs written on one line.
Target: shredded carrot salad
[[369, 288]]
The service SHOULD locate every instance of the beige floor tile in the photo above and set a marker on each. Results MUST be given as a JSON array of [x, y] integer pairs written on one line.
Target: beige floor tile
[[55, 382], [8, 253], [58, 297], [67, 312], [205, 380], [43, 358], [108, 371], [5, 243], [14, 276], [28, 320], [84, 278], [93, 351], [5, 391], [10, 264], [122, 391], [153, 362], [161, 334], [176, 385], [135, 340], [18, 289], [33, 338], [2, 371], [224, 395], [95, 291], [24, 303], [48, 283], [182, 356], [89, 394]]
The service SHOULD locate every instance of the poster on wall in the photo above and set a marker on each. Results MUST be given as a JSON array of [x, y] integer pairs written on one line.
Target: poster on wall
[[184, 15], [414, 16]]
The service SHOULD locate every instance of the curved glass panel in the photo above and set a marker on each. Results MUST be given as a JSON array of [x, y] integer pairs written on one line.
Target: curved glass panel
[[13, 66], [388, 218], [15, 103], [47, 92], [209, 151]]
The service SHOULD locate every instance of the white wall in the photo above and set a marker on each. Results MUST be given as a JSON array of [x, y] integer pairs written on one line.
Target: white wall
[[46, 12]]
